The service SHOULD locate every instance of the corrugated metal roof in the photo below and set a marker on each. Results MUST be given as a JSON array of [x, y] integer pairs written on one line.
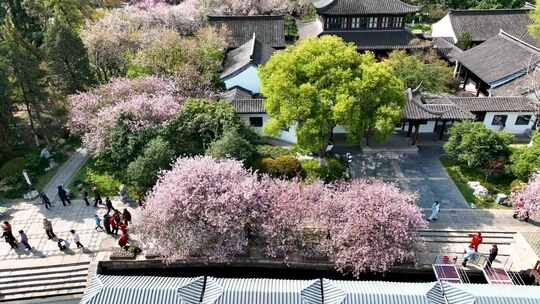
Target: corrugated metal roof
[[501, 294], [262, 291], [105, 289], [375, 292], [453, 295]]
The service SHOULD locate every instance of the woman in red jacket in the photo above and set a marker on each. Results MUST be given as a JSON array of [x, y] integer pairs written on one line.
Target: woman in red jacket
[[476, 240]]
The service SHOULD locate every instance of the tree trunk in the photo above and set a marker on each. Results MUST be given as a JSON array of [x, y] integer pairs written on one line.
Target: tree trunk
[[32, 127], [42, 125]]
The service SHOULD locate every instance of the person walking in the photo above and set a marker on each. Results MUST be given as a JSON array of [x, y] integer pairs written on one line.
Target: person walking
[[476, 240], [62, 194], [126, 216], [97, 197], [435, 209], [47, 225], [114, 225], [109, 205], [98, 223], [62, 245], [8, 235], [493, 252], [45, 200], [107, 223], [123, 241], [24, 240], [469, 254], [85, 197], [76, 239]]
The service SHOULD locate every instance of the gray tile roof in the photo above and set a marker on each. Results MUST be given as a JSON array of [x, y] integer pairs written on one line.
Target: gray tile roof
[[249, 106], [244, 102], [367, 7], [252, 52], [484, 24], [381, 39], [270, 30], [499, 57], [446, 49], [418, 108], [495, 104]]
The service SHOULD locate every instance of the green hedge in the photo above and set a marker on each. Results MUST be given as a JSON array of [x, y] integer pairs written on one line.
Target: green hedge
[[334, 169], [286, 166]]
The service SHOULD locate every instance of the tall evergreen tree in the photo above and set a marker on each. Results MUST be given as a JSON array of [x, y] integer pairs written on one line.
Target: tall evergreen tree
[[28, 85], [6, 114], [67, 58]]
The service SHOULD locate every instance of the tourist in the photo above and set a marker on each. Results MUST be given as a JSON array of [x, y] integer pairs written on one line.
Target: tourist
[[107, 223], [109, 205], [493, 252], [123, 228], [470, 252], [98, 223], [97, 197], [47, 225], [435, 209], [114, 225], [85, 197], [62, 194], [76, 239], [24, 240], [45, 200], [8, 235], [126, 216], [123, 241], [476, 240], [62, 245]]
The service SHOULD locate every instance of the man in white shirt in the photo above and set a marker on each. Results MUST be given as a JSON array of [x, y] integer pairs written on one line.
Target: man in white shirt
[[76, 239]]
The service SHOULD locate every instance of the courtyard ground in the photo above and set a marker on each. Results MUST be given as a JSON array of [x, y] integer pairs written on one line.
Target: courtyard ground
[[421, 172]]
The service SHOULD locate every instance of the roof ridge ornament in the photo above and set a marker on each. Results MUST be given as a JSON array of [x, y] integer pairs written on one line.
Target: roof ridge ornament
[[321, 3]]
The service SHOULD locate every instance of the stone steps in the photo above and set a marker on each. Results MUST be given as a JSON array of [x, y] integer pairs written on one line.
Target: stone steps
[[33, 284]]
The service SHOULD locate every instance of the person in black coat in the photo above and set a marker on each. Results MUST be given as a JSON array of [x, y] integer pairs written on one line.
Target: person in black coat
[[97, 197], [107, 224], [493, 252], [109, 205], [45, 200], [85, 197], [62, 194]]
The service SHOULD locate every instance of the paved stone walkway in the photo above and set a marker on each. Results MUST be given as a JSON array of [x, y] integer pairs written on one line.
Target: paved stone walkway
[[28, 216], [420, 172]]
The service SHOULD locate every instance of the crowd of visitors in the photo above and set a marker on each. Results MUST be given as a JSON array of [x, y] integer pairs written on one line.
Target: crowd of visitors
[[114, 222]]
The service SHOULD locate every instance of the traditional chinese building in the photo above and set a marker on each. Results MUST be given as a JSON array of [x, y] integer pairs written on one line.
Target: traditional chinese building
[[376, 25]]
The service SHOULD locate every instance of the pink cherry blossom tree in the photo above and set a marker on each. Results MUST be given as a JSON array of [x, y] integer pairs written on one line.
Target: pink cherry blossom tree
[[372, 225], [150, 100], [200, 209], [243, 7], [526, 201], [209, 208]]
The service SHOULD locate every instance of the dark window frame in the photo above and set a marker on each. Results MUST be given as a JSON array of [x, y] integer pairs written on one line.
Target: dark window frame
[[503, 118], [518, 123], [256, 121]]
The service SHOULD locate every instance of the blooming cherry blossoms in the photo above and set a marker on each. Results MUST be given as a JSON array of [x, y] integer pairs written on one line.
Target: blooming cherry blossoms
[[209, 208], [526, 201], [150, 100]]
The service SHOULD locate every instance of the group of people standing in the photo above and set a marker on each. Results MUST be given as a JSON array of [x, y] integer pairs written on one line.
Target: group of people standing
[[112, 223], [472, 250]]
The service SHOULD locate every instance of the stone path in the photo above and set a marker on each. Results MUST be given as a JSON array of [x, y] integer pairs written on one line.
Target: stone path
[[420, 172], [28, 216]]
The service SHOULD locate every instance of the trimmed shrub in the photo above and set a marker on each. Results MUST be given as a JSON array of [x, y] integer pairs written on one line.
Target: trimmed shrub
[[334, 169], [285, 166], [232, 145], [273, 151]]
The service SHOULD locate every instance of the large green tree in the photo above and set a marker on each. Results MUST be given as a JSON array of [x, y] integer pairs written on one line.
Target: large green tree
[[6, 114], [476, 146], [433, 74], [526, 161], [67, 59], [324, 82]]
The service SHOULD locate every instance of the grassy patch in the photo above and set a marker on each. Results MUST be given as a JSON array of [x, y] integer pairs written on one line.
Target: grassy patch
[[88, 176], [461, 176]]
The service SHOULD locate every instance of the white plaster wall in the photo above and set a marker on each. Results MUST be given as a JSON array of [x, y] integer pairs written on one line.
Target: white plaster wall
[[427, 128], [248, 80], [288, 136], [443, 28], [510, 122]]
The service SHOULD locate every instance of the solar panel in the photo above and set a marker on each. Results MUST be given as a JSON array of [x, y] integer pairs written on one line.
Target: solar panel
[[447, 273], [497, 276]]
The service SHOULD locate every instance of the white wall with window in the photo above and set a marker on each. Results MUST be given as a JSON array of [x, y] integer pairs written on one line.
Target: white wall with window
[[257, 122], [513, 122]]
